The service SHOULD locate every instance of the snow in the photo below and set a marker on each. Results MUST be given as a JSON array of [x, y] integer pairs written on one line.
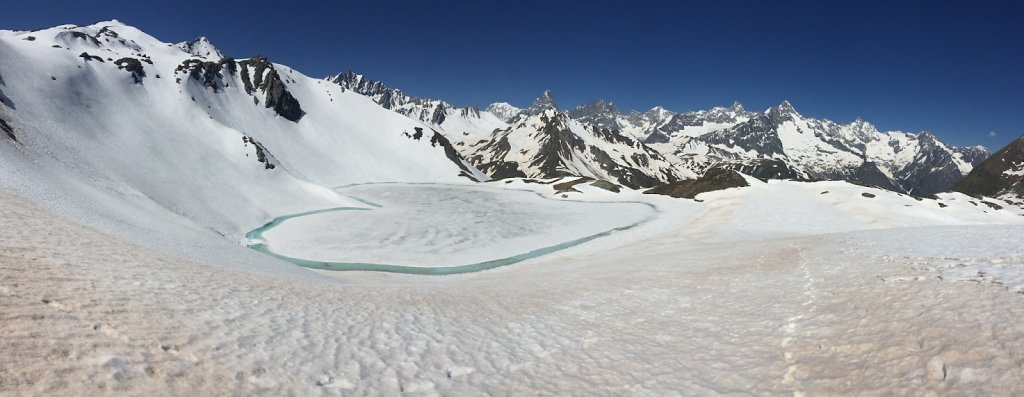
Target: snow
[[201, 47], [503, 111], [122, 205], [135, 160], [819, 315]]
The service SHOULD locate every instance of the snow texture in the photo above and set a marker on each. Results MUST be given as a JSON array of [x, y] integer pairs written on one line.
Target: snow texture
[[122, 205]]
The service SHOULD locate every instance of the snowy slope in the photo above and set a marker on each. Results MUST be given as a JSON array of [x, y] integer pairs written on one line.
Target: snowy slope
[[111, 126], [781, 287], [893, 311]]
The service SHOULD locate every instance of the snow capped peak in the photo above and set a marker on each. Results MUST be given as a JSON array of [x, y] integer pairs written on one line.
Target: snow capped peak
[[737, 107], [544, 101], [785, 107], [102, 24], [782, 112], [504, 111], [348, 76], [201, 47]]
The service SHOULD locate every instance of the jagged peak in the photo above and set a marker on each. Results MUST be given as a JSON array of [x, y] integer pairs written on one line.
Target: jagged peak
[[927, 135], [737, 107], [348, 75], [546, 98], [785, 107], [545, 101], [782, 112], [599, 104]]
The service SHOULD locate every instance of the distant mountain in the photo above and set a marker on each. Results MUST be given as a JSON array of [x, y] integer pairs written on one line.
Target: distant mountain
[[812, 148], [545, 142], [1001, 175], [778, 143], [504, 111]]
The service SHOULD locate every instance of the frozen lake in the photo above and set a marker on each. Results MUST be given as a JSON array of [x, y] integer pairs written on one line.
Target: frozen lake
[[440, 229]]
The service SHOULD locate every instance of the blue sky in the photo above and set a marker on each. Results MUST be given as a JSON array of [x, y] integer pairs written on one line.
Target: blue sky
[[954, 69]]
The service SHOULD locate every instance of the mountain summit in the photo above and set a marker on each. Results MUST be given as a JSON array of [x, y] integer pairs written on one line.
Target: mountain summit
[[545, 101], [201, 47]]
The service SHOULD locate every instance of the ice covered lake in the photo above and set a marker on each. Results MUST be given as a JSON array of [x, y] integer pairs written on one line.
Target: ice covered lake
[[440, 229]]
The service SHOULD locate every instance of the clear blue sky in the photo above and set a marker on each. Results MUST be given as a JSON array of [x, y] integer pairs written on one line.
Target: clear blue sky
[[953, 69]]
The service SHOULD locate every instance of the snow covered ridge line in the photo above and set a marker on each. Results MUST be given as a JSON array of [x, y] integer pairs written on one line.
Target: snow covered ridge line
[[110, 126], [633, 149], [778, 143]]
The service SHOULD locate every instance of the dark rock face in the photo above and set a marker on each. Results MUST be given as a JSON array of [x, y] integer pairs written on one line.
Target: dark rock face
[[262, 154], [566, 187], [82, 36], [3, 98], [266, 79], [760, 134], [715, 179], [544, 102], [7, 129], [867, 174], [628, 176], [1002, 173], [385, 96], [599, 114], [87, 57], [133, 66], [502, 169], [657, 137], [453, 155], [110, 36], [603, 184], [209, 74], [557, 142], [933, 169], [438, 116], [765, 169]]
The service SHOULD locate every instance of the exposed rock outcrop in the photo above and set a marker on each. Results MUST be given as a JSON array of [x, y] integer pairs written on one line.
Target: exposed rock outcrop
[[209, 74], [714, 179], [133, 66], [259, 75], [1001, 174], [262, 154], [7, 129]]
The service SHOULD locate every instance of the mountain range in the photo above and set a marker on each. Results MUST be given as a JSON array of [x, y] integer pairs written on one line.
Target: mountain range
[[106, 100], [644, 149]]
